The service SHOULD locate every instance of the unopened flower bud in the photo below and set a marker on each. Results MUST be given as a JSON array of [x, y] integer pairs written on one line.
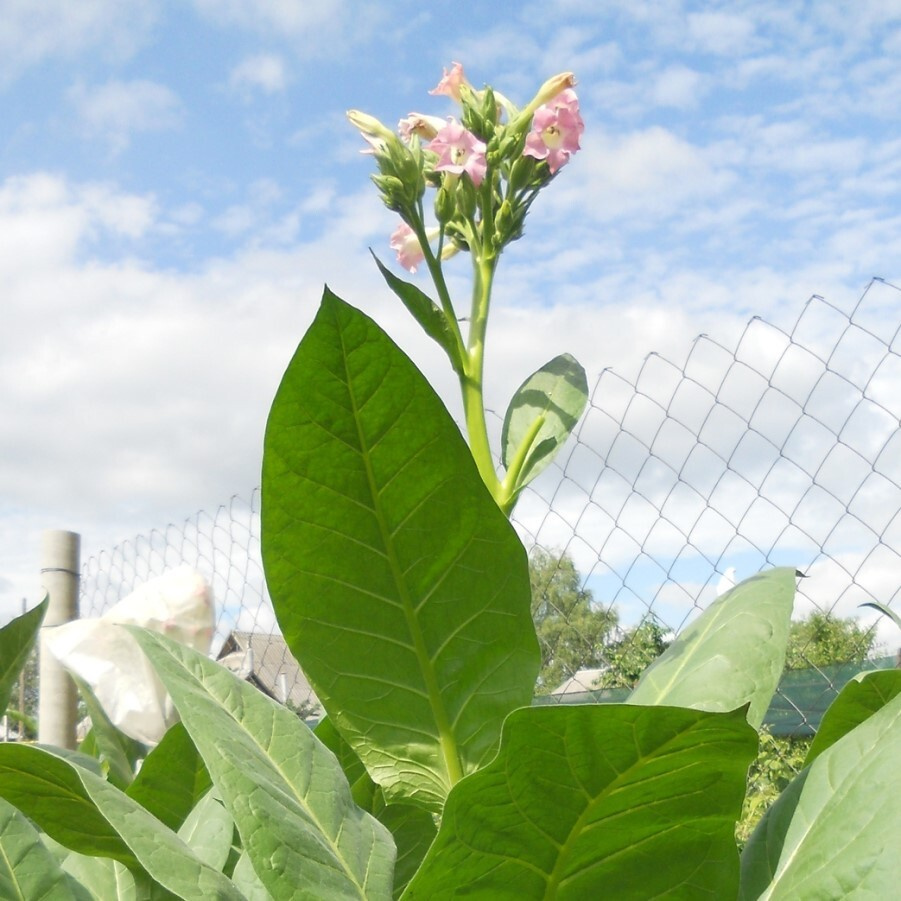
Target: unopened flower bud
[[445, 204], [548, 91], [521, 173], [467, 198], [504, 219], [392, 190], [552, 87], [374, 133]]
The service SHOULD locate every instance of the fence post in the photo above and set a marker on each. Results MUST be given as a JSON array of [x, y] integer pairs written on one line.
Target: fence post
[[60, 573]]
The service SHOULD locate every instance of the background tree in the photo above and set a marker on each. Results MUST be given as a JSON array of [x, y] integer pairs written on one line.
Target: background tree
[[572, 629], [628, 657], [822, 639]]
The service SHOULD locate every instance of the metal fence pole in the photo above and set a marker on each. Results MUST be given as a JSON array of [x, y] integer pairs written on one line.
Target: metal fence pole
[[60, 573]]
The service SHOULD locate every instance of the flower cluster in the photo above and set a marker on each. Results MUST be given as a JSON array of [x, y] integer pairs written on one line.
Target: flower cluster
[[487, 165], [483, 168]]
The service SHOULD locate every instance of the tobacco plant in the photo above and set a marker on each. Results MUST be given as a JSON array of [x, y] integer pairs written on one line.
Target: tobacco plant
[[403, 591]]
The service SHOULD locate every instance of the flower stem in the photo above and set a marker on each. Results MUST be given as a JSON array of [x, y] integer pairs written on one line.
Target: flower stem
[[510, 485], [433, 261]]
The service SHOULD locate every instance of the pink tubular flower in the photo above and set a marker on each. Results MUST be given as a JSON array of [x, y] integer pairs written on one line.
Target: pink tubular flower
[[409, 251], [459, 151], [450, 82], [406, 245], [556, 129]]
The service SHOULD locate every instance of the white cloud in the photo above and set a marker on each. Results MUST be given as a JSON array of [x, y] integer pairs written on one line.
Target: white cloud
[[45, 221], [678, 86], [116, 110], [265, 72], [649, 173], [32, 32], [716, 32]]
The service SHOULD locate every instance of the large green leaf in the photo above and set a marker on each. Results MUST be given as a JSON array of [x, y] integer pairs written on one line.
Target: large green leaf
[[414, 831], [399, 585], [172, 778], [831, 833], [51, 792], [541, 416], [86, 814], [28, 871], [857, 701], [118, 752], [732, 654], [350, 762], [605, 801], [283, 788], [17, 638]]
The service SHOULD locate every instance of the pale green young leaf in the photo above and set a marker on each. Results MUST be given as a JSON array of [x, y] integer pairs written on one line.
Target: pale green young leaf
[[208, 831], [542, 414], [399, 586], [831, 832], [733, 654], [107, 879], [857, 701], [597, 801], [246, 879], [284, 790]]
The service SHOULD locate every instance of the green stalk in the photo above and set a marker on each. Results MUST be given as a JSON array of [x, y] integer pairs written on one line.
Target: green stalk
[[471, 380]]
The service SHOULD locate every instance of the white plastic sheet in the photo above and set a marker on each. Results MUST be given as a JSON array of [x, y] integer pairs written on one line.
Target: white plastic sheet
[[178, 604]]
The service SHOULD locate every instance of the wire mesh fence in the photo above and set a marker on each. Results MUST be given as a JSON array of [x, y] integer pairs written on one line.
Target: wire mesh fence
[[784, 450]]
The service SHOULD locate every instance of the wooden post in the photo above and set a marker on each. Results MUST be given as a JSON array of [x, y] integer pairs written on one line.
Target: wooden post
[[58, 699]]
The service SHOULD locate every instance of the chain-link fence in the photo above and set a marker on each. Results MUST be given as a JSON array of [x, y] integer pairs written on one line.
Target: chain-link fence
[[785, 450]]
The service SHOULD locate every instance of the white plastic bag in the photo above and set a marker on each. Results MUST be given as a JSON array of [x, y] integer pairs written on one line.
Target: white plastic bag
[[179, 604]]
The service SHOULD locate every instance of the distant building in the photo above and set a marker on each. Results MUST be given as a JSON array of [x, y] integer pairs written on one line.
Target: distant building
[[584, 680], [264, 660]]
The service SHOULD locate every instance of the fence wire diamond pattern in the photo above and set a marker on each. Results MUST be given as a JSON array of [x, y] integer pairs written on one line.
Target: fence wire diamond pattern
[[783, 451]]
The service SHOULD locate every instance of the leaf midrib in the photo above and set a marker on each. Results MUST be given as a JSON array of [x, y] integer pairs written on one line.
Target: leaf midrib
[[555, 877], [446, 739]]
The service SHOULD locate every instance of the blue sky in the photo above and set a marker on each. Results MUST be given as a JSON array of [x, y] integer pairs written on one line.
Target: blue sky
[[177, 182]]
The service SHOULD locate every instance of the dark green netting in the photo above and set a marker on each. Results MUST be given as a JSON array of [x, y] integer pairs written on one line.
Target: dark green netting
[[797, 707]]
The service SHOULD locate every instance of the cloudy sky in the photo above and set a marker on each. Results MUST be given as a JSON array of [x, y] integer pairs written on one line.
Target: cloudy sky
[[178, 181]]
